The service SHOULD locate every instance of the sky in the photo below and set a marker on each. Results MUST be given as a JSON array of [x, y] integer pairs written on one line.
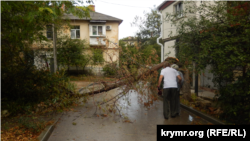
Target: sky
[[125, 10]]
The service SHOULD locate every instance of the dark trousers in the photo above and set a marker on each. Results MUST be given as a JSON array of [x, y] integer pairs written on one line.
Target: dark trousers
[[169, 102], [178, 106]]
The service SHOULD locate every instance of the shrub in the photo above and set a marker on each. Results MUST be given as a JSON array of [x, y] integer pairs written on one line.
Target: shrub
[[110, 69], [30, 124], [25, 87]]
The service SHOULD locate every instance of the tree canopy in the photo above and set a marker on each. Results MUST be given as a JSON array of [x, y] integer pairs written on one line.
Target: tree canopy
[[149, 29]]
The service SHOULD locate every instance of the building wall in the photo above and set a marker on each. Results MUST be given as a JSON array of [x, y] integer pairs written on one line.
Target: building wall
[[169, 50], [110, 51], [167, 27], [84, 29], [170, 29], [113, 34]]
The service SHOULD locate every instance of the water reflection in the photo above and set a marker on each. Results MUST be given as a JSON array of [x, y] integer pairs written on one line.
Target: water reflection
[[190, 118]]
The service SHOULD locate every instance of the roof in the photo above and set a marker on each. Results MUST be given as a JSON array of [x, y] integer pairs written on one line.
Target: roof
[[165, 4], [94, 16]]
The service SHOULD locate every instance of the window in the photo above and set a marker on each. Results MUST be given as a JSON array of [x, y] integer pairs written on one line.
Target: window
[[178, 9], [97, 30], [49, 32], [75, 32]]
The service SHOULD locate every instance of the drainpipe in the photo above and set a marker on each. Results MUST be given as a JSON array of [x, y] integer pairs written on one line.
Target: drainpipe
[[158, 42]]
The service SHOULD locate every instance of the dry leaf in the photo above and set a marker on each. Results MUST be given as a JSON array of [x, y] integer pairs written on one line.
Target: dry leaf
[[211, 109]]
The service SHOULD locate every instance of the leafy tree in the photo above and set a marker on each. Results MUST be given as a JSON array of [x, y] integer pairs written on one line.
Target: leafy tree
[[149, 25], [23, 23], [129, 50], [149, 30], [97, 56], [219, 36], [70, 52]]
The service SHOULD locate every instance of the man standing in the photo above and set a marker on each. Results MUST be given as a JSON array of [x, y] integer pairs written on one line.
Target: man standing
[[179, 85], [169, 89]]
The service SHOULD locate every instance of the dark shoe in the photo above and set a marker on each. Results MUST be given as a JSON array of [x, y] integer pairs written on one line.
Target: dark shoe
[[173, 116], [177, 114], [166, 118]]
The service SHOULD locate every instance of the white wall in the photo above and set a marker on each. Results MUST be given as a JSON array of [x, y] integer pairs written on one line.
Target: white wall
[[169, 50], [169, 29], [206, 78]]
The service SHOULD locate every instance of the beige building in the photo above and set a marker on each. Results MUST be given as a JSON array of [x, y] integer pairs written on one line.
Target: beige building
[[100, 31]]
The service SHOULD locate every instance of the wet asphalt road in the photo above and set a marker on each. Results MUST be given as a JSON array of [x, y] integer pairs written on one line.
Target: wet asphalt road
[[83, 124]]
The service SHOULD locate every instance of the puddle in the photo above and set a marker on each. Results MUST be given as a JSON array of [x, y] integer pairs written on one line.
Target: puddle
[[190, 118]]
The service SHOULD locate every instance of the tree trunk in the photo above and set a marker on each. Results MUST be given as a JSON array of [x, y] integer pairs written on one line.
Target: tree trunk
[[186, 86], [77, 70], [130, 79]]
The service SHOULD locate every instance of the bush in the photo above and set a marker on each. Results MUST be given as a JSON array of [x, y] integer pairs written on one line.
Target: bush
[[110, 69], [30, 124], [236, 100], [23, 88]]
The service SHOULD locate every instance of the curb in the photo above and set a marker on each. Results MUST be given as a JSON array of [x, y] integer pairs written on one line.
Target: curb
[[200, 114], [44, 136]]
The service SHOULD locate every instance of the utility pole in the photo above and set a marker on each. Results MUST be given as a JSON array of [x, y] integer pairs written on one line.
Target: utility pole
[[54, 48]]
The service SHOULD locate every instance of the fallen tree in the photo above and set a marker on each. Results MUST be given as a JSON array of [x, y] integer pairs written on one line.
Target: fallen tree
[[130, 78], [109, 86]]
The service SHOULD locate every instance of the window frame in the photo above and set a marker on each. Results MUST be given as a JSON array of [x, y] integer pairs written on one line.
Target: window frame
[[97, 25], [177, 6], [75, 29]]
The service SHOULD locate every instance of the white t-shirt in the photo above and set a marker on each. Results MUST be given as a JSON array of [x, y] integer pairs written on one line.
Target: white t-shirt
[[169, 79]]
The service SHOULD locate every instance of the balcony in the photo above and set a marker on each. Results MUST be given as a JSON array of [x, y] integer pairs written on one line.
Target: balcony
[[97, 41]]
